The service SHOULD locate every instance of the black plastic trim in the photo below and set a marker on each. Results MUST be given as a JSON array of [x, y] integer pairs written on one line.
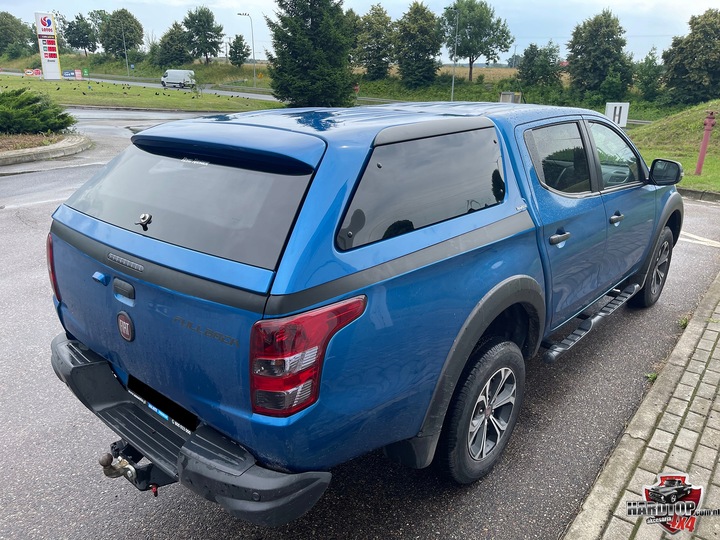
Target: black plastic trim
[[222, 154], [431, 128], [674, 204], [499, 230], [521, 290], [282, 304], [205, 461], [161, 275]]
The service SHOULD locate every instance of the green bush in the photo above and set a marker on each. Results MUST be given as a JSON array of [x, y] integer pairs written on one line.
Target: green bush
[[25, 111]]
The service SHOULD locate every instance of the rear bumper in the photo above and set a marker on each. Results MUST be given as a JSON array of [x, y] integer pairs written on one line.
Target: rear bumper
[[205, 461]]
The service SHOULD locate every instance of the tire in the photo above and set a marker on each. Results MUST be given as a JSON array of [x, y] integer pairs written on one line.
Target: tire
[[673, 498], [474, 436], [657, 272]]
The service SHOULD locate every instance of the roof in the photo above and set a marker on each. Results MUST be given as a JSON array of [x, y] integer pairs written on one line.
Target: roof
[[327, 122], [342, 126]]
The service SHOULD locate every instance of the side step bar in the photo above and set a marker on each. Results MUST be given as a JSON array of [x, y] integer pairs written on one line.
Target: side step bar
[[554, 350]]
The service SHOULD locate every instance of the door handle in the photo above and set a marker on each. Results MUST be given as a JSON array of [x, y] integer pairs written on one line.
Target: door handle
[[616, 218], [559, 238]]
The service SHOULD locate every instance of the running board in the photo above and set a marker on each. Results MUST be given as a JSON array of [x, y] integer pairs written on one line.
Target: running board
[[554, 350]]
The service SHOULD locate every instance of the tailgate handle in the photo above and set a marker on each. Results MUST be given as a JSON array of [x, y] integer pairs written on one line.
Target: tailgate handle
[[123, 288]]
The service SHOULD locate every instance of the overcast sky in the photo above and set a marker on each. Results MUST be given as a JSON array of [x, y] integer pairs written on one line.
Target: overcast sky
[[647, 23]]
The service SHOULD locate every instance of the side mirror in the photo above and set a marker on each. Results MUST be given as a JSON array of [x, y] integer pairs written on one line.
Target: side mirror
[[665, 172]]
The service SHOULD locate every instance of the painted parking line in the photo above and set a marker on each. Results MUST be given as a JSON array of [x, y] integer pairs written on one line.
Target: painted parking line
[[695, 239]]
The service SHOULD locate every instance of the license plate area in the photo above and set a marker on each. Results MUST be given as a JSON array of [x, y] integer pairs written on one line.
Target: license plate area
[[166, 409]]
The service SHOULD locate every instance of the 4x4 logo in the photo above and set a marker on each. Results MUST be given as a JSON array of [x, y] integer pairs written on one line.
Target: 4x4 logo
[[672, 503]]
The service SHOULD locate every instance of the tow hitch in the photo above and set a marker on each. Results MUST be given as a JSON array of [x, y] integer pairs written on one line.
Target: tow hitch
[[116, 470], [122, 461]]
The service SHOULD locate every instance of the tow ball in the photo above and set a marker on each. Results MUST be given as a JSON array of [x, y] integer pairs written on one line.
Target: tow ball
[[116, 470], [123, 468]]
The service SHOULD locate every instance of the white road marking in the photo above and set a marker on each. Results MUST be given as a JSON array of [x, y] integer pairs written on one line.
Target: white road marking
[[34, 203], [695, 239]]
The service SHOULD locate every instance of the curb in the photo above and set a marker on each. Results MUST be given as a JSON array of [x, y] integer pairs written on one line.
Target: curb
[[610, 486], [68, 146], [698, 195]]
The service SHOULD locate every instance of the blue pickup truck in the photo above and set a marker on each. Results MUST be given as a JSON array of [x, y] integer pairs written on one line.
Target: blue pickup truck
[[252, 299]]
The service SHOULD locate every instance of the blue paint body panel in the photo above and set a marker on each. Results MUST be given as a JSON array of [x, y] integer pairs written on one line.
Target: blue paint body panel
[[380, 373]]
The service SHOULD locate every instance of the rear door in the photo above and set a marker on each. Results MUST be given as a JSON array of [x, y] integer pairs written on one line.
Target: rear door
[[572, 214]]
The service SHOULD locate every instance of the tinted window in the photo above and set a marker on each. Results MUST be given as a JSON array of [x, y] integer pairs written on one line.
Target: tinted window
[[560, 159], [413, 184], [224, 211], [618, 163]]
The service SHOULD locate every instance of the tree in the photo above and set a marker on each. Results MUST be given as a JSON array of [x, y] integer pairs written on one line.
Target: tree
[[418, 46], [205, 36], [120, 32], [354, 22], [514, 61], [60, 30], [479, 33], [97, 18], [310, 65], [596, 54], [692, 62], [12, 31], [648, 75], [239, 51], [540, 66], [375, 42], [81, 34], [173, 50]]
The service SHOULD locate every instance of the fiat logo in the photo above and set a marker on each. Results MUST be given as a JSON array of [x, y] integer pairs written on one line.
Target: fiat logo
[[126, 327]]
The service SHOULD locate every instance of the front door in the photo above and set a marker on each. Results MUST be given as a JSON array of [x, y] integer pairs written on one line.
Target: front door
[[629, 204]]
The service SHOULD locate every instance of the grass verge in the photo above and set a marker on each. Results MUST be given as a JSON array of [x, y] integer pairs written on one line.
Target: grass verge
[[99, 94], [19, 142], [679, 137]]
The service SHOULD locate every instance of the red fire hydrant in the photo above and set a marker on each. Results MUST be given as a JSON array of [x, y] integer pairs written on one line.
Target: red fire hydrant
[[709, 124]]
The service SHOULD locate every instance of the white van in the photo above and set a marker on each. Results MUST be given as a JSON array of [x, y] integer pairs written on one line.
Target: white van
[[178, 77]]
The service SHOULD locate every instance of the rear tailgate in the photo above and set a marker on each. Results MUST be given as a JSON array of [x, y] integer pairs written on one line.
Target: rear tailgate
[[164, 262], [188, 338]]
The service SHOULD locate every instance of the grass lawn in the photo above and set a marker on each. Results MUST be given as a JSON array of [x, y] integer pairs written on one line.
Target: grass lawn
[[119, 95], [679, 137]]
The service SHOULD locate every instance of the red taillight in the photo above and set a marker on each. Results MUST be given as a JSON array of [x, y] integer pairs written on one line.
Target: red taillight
[[286, 356], [51, 266]]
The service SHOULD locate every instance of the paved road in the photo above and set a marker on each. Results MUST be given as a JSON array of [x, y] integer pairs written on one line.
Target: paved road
[[574, 410]]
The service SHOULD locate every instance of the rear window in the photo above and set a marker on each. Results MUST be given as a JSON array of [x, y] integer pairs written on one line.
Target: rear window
[[234, 213]]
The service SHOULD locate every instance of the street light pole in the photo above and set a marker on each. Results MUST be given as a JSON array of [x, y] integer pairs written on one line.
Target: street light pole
[[452, 88], [252, 37], [122, 28]]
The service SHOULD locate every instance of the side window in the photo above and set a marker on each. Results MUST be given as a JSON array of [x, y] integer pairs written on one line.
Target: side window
[[618, 163], [560, 158], [413, 184]]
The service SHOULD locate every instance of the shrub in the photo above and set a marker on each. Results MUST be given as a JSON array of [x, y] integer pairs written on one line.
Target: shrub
[[25, 111]]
